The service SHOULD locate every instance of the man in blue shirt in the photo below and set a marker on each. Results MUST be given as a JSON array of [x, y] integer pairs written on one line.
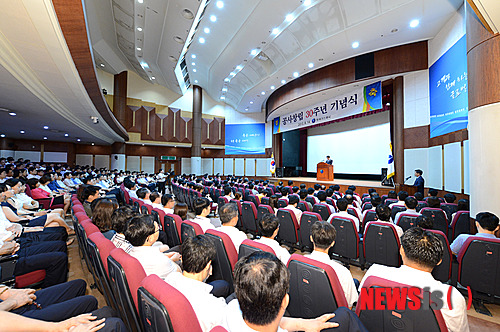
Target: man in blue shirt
[[487, 225], [419, 181]]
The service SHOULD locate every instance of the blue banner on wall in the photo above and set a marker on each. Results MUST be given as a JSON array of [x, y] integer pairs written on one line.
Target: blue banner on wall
[[246, 138], [449, 91]]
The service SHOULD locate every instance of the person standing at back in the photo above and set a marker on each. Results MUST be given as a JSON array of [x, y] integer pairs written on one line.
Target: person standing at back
[[419, 181]]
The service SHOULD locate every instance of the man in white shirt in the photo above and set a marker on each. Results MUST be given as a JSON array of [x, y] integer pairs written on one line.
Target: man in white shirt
[[411, 204], [350, 200], [486, 224], [131, 188], [421, 251], [375, 201], [269, 225], [202, 210], [310, 193], [293, 201], [384, 214], [323, 238], [143, 195], [142, 233], [322, 199], [155, 200], [402, 195], [342, 206], [229, 218], [168, 203], [68, 182]]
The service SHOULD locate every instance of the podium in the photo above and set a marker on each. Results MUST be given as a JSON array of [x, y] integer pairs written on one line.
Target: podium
[[411, 190], [324, 172]]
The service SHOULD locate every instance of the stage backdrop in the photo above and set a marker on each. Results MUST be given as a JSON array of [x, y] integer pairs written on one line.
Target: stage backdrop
[[245, 138], [448, 91], [359, 100]]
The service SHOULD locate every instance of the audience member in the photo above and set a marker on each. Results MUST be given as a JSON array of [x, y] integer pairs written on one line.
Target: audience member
[[342, 205], [384, 214], [229, 218], [202, 210], [119, 223], [101, 216], [181, 209], [411, 205], [486, 224], [269, 226], [293, 201]]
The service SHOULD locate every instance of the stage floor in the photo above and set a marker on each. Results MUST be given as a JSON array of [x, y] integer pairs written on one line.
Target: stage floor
[[362, 186]]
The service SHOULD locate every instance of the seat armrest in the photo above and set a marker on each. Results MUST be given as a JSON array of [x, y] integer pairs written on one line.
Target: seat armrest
[[7, 266], [8, 258]]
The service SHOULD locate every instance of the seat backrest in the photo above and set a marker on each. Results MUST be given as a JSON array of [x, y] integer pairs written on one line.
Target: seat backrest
[[353, 212], [449, 209], [254, 199], [164, 308], [314, 288], [144, 209], [460, 224], [282, 203], [421, 205], [442, 272], [323, 210], [396, 320], [262, 210], [264, 200], [248, 247], [190, 229], [227, 256], [439, 219], [369, 216], [310, 200], [381, 244], [303, 206], [126, 274], [406, 220], [306, 221], [347, 239], [288, 227], [89, 227], [366, 206], [249, 217], [172, 227], [395, 209], [156, 217], [390, 201], [478, 265]]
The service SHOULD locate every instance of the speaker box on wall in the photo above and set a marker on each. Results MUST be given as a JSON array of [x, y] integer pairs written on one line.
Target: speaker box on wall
[[364, 66]]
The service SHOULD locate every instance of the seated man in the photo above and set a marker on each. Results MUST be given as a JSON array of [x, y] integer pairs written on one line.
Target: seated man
[[90, 194], [310, 193], [168, 203], [293, 201], [434, 202], [155, 199], [269, 226], [228, 194], [486, 224], [228, 214], [375, 201], [432, 192], [303, 194], [323, 238], [350, 205], [322, 199], [142, 233], [342, 206], [143, 195], [119, 223], [384, 214], [402, 195], [202, 210], [261, 287], [410, 204], [421, 251]]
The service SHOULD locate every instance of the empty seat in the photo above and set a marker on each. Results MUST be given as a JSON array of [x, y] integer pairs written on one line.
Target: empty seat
[[288, 230], [248, 247], [366, 206], [227, 256], [381, 244], [460, 224], [314, 288], [164, 308], [442, 272], [347, 239], [406, 220], [190, 229], [439, 219], [397, 320], [306, 221], [249, 217], [323, 210]]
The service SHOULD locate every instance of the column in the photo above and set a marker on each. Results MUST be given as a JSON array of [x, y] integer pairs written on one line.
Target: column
[[120, 98], [196, 141], [397, 128], [483, 63], [118, 156]]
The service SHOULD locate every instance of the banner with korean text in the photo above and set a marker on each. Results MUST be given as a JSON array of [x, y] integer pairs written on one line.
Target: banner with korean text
[[356, 101]]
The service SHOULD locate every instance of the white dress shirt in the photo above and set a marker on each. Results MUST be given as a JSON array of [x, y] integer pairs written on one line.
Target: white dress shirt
[[235, 234], [343, 274], [233, 320], [157, 206], [209, 310], [399, 230], [456, 318], [204, 223], [408, 211], [297, 212], [280, 252], [345, 214], [154, 262], [398, 203]]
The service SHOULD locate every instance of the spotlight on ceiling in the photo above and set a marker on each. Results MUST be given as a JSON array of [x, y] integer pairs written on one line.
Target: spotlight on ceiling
[[296, 74], [414, 23], [193, 56], [310, 65], [283, 81], [201, 40], [289, 18], [206, 30], [139, 29], [45, 127], [355, 44], [213, 18], [12, 113], [220, 4]]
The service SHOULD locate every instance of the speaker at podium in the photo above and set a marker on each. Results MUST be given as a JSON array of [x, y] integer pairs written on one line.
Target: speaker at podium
[[324, 172]]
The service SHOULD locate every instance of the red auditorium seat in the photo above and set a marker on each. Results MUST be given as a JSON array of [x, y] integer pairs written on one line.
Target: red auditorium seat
[[190, 229], [262, 210], [439, 219], [306, 221], [227, 256], [406, 220], [249, 218], [460, 224], [442, 272], [248, 247], [381, 244], [288, 227], [347, 240], [323, 210]]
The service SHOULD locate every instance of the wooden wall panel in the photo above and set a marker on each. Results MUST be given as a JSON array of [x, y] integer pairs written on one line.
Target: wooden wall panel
[[168, 127], [401, 59], [206, 128], [221, 133], [133, 111], [419, 137], [146, 125]]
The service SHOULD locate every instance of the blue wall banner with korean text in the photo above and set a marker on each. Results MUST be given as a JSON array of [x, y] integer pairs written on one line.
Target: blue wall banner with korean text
[[246, 138], [342, 106], [448, 90]]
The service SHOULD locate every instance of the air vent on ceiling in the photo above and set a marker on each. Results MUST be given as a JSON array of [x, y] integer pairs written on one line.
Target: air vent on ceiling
[[172, 58], [179, 40], [187, 14]]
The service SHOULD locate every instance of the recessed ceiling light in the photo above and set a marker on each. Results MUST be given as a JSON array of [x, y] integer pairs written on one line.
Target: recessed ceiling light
[[227, 79], [140, 1], [263, 93], [310, 65], [213, 18], [307, 2], [22, 131], [201, 40], [93, 143], [193, 56], [153, 78], [144, 65], [289, 18], [254, 52], [66, 135], [355, 44], [220, 4], [44, 137], [139, 29], [222, 98], [239, 67], [193, 63], [232, 73], [206, 30], [194, 70], [246, 109], [414, 23], [275, 31], [273, 87], [283, 81], [102, 64], [251, 102], [78, 140], [224, 89], [12, 113], [296, 74], [3, 135], [139, 49], [45, 127], [196, 81]]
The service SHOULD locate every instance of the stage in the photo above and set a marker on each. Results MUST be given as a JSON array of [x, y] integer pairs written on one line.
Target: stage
[[362, 186]]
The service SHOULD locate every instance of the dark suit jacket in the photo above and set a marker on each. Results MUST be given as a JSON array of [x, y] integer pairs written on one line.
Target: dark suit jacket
[[329, 162], [419, 183]]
